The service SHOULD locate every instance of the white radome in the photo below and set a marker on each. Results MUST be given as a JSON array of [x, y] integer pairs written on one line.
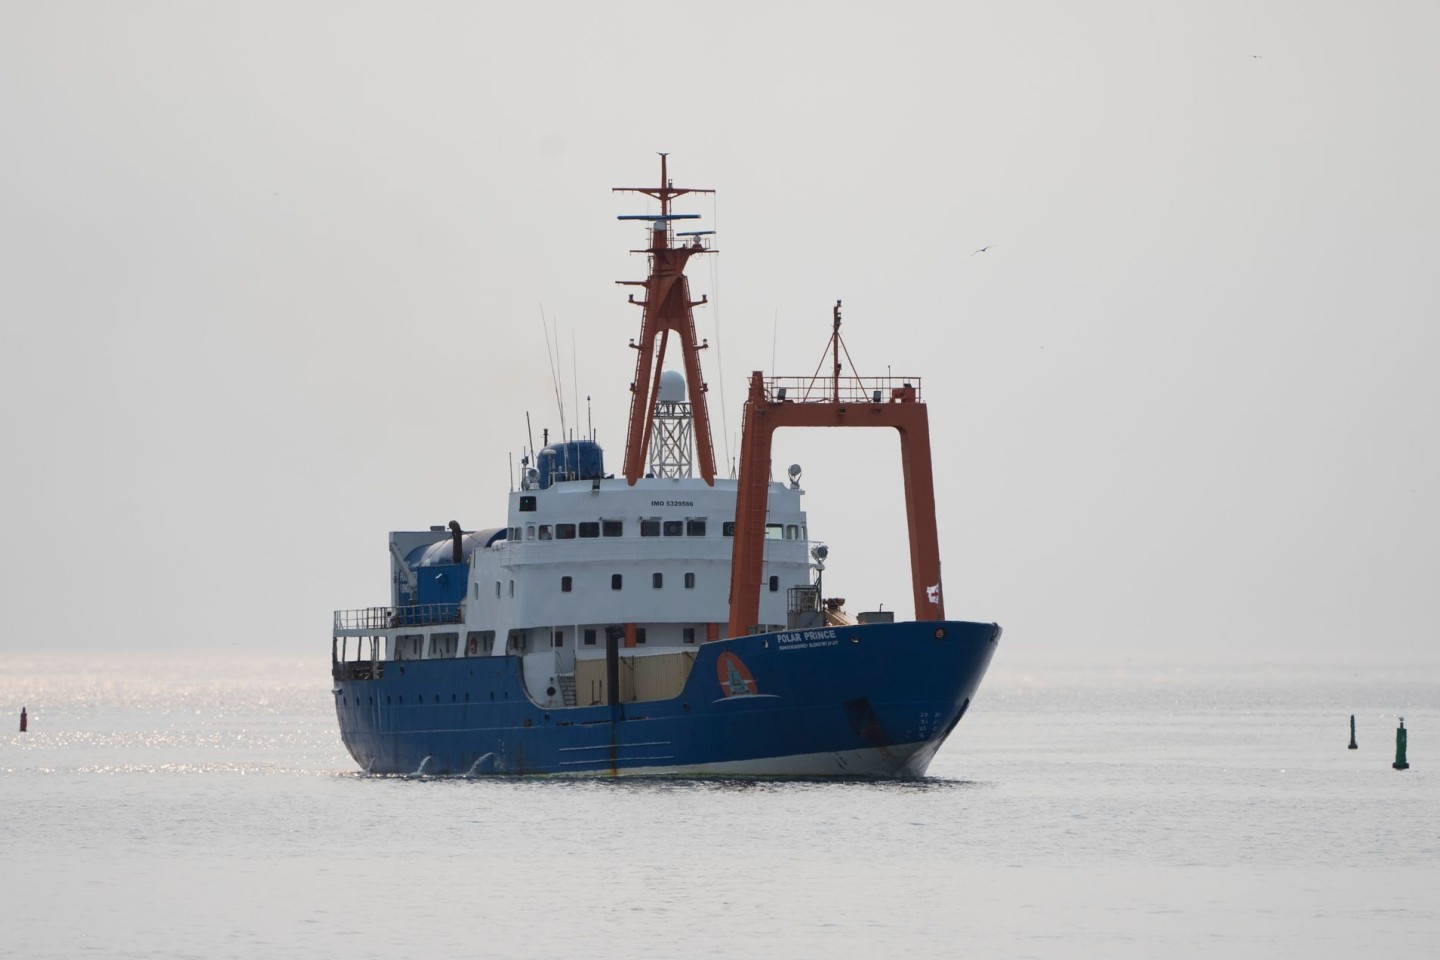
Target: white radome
[[672, 387]]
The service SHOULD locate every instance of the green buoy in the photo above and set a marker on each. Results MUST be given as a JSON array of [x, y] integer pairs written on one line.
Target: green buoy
[[1353, 745], [1400, 763]]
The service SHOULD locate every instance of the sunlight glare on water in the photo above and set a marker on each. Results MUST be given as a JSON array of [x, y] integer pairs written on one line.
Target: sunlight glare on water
[[175, 810]]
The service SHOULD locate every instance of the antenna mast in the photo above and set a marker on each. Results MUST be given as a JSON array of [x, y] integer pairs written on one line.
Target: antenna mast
[[667, 308]]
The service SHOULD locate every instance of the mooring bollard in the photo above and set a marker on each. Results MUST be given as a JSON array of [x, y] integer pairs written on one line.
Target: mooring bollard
[[1352, 733], [24, 720], [1400, 763]]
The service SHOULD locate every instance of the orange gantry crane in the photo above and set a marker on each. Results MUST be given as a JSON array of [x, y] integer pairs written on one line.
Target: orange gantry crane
[[835, 401]]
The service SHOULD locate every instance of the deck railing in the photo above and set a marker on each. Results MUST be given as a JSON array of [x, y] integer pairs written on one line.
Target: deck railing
[[383, 618], [820, 389]]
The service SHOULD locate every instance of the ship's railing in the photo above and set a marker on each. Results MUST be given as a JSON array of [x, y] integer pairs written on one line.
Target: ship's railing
[[382, 618], [819, 389]]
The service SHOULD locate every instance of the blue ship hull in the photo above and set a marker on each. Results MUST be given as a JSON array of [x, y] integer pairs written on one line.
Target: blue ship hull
[[873, 700]]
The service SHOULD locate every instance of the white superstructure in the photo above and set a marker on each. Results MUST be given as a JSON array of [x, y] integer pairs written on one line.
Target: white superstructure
[[580, 558]]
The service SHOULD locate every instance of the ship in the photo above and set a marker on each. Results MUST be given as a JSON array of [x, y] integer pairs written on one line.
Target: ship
[[665, 620]]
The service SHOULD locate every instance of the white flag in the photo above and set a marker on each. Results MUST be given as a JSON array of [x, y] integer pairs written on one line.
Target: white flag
[[933, 593]]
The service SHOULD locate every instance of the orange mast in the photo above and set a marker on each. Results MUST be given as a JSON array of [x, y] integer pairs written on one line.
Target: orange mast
[[667, 307], [848, 402]]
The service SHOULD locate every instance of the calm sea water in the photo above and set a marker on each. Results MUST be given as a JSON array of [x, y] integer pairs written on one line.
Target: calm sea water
[[196, 810]]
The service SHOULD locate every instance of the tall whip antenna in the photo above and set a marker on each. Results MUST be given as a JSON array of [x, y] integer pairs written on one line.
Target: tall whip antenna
[[719, 355], [575, 378], [550, 354]]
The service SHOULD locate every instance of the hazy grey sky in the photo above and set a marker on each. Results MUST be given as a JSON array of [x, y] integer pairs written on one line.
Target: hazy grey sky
[[273, 272]]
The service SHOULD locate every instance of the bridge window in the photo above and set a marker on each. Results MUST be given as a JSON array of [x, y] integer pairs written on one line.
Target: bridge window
[[774, 531], [674, 528], [649, 526], [774, 584], [612, 528], [527, 504], [689, 581], [615, 581], [565, 584], [589, 530], [639, 634], [657, 580], [557, 639], [545, 533], [792, 531], [589, 637], [727, 529], [566, 531], [688, 634], [695, 528]]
